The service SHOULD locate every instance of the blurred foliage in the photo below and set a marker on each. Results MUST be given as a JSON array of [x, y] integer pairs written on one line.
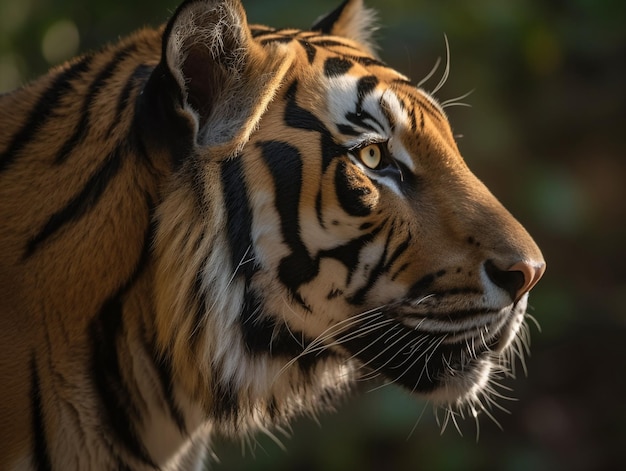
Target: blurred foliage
[[546, 134]]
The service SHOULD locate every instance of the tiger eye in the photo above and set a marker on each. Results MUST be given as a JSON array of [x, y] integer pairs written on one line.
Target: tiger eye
[[371, 156]]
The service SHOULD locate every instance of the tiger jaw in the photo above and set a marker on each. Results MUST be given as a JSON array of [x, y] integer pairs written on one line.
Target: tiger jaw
[[447, 364]]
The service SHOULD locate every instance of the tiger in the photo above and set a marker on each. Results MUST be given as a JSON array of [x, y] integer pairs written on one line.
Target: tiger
[[213, 227]]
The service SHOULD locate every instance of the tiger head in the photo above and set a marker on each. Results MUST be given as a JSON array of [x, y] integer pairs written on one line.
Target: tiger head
[[320, 224]]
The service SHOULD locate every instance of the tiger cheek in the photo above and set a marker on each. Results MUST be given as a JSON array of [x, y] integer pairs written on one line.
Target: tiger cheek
[[356, 194]]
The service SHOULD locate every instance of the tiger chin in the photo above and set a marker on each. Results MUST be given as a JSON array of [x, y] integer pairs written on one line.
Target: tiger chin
[[214, 226]]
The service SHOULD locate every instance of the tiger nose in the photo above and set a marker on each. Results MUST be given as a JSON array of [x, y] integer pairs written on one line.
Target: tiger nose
[[518, 279]]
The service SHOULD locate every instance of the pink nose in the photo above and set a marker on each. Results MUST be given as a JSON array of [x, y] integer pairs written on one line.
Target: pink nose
[[532, 272], [518, 279]]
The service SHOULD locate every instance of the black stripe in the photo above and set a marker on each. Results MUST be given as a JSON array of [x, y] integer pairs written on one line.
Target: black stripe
[[410, 107], [402, 268], [298, 117], [431, 109], [136, 145], [264, 335], [412, 115], [406, 83], [279, 40], [41, 456], [399, 250], [347, 130], [310, 50], [198, 304], [367, 61], [238, 215], [351, 194], [391, 120], [96, 87], [264, 32], [258, 31], [285, 164], [139, 75], [336, 66], [365, 86], [164, 370], [82, 203], [120, 412], [328, 44], [456, 291], [318, 210], [330, 150], [349, 253], [43, 110], [421, 125], [384, 265], [458, 315], [225, 400], [359, 119], [301, 118]]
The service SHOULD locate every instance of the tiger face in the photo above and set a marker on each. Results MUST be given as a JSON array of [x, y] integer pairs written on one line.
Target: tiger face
[[384, 257], [359, 241]]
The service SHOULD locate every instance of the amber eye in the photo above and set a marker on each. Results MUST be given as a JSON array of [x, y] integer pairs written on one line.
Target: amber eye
[[371, 155]]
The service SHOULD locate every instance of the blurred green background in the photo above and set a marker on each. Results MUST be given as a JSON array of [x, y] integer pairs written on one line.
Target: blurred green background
[[546, 132]]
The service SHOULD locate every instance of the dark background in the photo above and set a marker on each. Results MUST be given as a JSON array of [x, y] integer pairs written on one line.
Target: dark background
[[546, 132]]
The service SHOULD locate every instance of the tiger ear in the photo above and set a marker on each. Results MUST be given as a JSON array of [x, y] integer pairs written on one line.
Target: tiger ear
[[352, 20], [224, 79]]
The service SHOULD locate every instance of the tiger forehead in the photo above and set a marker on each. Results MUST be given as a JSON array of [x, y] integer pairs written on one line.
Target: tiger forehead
[[336, 54], [400, 105], [354, 82], [315, 46]]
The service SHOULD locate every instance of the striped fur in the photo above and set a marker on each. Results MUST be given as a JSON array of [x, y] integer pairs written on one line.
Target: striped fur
[[193, 238]]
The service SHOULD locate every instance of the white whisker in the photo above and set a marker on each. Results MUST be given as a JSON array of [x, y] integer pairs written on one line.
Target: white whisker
[[319, 344], [417, 421], [398, 352], [435, 343], [456, 424], [456, 101], [446, 72], [477, 422], [272, 437], [360, 333], [431, 73], [446, 419], [490, 415], [533, 320]]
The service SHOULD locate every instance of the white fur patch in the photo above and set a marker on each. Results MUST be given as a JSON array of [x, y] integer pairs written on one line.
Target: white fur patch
[[342, 98]]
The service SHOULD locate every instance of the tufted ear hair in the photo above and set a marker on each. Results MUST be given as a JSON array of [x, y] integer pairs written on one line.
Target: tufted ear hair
[[352, 20], [224, 80]]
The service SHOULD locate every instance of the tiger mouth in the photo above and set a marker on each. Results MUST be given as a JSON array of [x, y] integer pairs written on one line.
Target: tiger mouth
[[425, 360]]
